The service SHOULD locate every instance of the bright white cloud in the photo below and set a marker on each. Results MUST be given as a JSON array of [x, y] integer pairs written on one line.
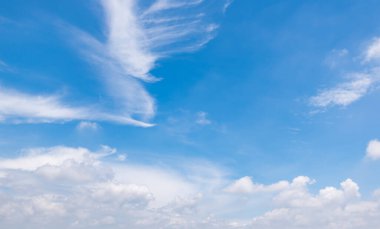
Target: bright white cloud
[[345, 93], [75, 188], [47, 108], [373, 50], [137, 36], [373, 149], [246, 185], [21, 107], [358, 84]]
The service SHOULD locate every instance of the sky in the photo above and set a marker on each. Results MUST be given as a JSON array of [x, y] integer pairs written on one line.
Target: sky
[[189, 114]]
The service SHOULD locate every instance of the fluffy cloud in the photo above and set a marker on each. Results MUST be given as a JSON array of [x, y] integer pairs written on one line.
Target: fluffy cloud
[[65, 187], [246, 185], [373, 149]]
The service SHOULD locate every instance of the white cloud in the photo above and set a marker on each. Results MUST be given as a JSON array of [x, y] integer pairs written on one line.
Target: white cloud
[[137, 36], [246, 185], [373, 149], [65, 187], [358, 84], [20, 107], [161, 5], [202, 118], [227, 5], [373, 50], [345, 93], [85, 125]]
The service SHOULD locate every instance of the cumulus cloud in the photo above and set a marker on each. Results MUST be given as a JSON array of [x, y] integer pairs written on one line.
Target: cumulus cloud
[[357, 84], [246, 185], [64, 187], [373, 149]]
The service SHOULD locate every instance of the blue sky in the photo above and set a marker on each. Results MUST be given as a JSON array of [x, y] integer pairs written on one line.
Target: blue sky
[[239, 109]]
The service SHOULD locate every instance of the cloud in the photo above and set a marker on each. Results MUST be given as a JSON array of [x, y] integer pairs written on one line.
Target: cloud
[[202, 118], [245, 185], [21, 107], [373, 149], [69, 187], [4, 67], [345, 93], [137, 35], [372, 52], [84, 125], [227, 5], [357, 84]]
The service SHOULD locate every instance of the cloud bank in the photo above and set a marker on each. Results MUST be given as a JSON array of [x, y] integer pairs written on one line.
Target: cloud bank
[[64, 187]]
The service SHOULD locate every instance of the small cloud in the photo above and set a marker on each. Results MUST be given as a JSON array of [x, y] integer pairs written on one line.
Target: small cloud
[[373, 150], [121, 157], [345, 93], [85, 125], [373, 50], [227, 5], [202, 118], [336, 57]]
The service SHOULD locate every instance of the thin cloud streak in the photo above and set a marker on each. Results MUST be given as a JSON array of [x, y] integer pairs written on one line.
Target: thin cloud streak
[[19, 107]]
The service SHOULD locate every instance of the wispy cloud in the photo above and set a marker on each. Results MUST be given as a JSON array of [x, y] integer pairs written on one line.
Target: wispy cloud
[[344, 94], [21, 107], [137, 35], [357, 84], [227, 5], [373, 50], [85, 125], [202, 118]]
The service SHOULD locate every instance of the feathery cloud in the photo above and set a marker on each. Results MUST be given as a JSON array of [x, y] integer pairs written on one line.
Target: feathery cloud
[[358, 84], [20, 107], [137, 35]]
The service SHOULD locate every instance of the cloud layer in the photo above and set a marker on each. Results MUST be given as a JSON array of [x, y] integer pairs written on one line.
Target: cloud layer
[[65, 187]]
